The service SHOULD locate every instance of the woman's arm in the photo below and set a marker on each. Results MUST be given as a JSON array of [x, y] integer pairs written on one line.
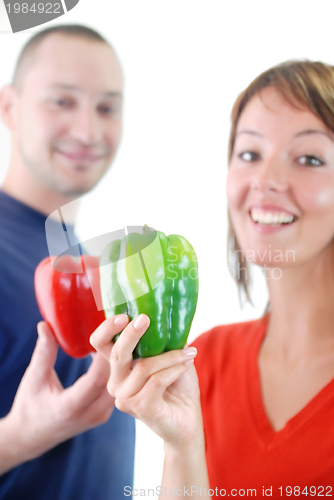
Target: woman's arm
[[163, 392], [185, 470]]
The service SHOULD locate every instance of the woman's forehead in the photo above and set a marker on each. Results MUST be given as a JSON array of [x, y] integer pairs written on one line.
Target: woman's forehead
[[269, 106]]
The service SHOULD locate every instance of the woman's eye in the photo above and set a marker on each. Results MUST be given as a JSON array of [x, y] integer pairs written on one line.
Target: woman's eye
[[310, 161], [248, 156]]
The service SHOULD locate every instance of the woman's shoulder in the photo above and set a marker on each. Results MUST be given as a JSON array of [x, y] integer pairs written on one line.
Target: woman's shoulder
[[224, 351], [231, 333], [226, 345]]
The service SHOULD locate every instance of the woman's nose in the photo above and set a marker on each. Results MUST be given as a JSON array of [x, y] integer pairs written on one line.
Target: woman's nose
[[270, 175]]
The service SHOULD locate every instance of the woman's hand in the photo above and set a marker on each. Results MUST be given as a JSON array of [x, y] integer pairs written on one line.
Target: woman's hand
[[162, 391]]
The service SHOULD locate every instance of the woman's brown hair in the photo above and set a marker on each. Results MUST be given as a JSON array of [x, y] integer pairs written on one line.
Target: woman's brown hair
[[304, 84]]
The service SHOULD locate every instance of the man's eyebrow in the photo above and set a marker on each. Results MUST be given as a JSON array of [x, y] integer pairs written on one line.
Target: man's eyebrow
[[64, 86], [315, 131]]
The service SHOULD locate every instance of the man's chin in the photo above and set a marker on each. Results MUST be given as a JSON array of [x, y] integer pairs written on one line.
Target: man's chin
[[76, 192], [75, 189]]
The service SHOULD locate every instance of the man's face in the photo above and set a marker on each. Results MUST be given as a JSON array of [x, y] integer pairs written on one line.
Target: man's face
[[68, 114]]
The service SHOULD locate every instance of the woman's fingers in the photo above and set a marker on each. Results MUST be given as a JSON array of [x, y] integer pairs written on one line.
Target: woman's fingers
[[102, 338], [121, 358], [119, 354], [144, 381], [122, 350], [143, 369], [148, 403]]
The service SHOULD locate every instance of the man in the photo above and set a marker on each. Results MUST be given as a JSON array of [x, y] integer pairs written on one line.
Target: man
[[64, 113]]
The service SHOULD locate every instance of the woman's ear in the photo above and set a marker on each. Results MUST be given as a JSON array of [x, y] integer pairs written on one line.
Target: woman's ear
[[7, 101]]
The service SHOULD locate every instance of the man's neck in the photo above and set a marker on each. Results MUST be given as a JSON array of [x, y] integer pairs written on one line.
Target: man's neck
[[39, 197]]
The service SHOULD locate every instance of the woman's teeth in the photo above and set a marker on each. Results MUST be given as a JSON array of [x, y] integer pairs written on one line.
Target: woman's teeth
[[271, 217]]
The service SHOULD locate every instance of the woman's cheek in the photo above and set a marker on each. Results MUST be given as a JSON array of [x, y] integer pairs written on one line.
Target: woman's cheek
[[325, 198], [236, 188], [315, 197]]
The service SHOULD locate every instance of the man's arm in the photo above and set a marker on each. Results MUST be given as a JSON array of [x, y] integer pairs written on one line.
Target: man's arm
[[44, 414]]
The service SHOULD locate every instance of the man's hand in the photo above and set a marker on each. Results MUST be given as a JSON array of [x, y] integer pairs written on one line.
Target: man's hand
[[45, 414]]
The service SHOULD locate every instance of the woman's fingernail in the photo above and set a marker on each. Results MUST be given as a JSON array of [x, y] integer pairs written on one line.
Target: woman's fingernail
[[190, 352], [140, 322], [121, 320]]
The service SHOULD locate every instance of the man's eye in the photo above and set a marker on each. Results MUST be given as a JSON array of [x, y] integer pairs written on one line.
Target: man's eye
[[63, 103], [106, 109], [310, 161], [249, 156], [109, 110]]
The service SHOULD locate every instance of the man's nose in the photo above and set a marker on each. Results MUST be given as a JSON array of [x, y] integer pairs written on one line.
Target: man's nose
[[270, 175], [86, 126]]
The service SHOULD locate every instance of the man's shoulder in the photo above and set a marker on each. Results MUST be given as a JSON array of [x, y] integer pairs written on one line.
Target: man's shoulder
[[17, 220]]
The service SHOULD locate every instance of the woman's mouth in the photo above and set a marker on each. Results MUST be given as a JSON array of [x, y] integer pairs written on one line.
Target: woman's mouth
[[269, 218]]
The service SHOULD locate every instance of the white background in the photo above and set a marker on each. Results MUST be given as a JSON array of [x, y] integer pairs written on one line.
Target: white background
[[185, 61]]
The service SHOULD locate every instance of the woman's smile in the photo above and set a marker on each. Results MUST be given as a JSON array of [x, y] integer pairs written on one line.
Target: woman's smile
[[267, 221]]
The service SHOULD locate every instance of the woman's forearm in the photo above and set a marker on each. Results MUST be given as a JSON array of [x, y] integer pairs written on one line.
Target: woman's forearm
[[185, 472]]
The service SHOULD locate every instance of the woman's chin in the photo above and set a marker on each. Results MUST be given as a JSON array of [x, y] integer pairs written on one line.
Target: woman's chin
[[267, 255]]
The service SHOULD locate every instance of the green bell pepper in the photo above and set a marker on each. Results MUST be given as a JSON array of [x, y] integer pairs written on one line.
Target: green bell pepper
[[153, 274]]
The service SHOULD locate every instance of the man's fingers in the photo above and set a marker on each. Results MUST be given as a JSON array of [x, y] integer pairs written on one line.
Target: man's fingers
[[90, 386], [83, 399], [102, 338], [45, 352], [99, 368]]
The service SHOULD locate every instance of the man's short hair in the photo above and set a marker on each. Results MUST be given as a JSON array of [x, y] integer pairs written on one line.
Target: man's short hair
[[28, 50]]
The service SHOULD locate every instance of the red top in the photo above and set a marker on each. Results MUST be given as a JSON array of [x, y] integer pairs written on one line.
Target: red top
[[243, 451]]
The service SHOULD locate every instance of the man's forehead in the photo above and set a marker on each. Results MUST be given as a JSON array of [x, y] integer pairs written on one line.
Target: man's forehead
[[73, 51], [67, 61]]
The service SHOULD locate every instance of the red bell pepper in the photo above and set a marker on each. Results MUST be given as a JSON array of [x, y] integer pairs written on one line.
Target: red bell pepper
[[65, 297]]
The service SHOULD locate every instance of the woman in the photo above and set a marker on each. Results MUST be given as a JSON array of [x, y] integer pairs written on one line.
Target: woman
[[266, 386]]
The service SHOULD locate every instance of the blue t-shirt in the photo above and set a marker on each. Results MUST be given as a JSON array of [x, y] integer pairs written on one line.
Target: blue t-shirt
[[95, 465]]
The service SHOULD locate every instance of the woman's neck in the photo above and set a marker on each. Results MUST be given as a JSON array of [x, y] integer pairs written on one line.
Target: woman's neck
[[301, 320]]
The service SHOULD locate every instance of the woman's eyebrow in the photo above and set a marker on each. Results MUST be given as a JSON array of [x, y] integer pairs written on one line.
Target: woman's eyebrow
[[315, 131], [251, 132], [299, 134]]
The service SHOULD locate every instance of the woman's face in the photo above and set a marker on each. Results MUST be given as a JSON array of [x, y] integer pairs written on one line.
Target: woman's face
[[280, 184]]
